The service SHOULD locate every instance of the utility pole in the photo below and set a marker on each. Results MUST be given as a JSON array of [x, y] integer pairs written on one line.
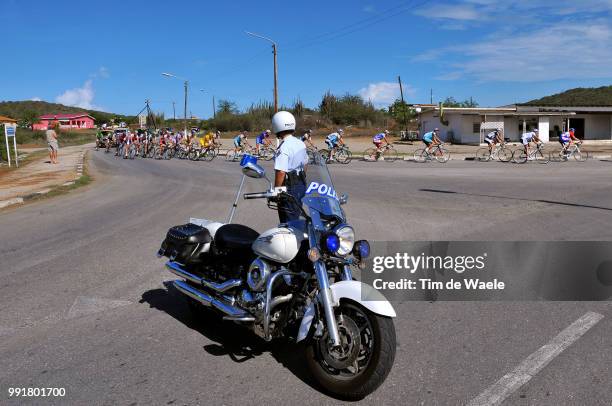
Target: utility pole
[[275, 79], [185, 112], [274, 51], [430, 96], [214, 108], [404, 106], [174, 110]]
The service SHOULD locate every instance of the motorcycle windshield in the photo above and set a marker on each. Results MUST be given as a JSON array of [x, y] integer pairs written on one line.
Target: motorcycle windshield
[[320, 193]]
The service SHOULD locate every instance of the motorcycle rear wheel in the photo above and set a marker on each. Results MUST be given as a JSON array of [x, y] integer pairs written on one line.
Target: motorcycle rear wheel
[[368, 365]]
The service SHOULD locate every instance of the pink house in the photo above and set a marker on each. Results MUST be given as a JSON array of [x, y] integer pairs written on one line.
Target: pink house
[[66, 121]]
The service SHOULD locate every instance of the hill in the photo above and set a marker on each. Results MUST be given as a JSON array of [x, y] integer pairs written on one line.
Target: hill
[[28, 110], [579, 97]]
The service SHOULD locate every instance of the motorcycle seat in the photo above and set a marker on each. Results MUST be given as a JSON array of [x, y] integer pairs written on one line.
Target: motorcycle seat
[[235, 237]]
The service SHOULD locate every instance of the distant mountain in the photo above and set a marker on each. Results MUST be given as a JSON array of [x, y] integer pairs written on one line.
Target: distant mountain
[[579, 97], [25, 110]]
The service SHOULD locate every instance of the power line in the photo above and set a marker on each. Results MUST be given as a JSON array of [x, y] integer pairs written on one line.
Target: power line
[[371, 21]]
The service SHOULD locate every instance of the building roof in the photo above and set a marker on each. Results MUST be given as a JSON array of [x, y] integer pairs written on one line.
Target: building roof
[[4, 119], [64, 116]]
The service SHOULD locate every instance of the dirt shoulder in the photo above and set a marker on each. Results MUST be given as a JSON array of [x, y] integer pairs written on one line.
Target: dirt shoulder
[[39, 175]]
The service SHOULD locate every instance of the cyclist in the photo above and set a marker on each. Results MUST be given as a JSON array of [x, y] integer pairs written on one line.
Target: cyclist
[[262, 139], [528, 138], [129, 139], [430, 139], [240, 140], [493, 138], [333, 140], [568, 138], [378, 140], [307, 139]]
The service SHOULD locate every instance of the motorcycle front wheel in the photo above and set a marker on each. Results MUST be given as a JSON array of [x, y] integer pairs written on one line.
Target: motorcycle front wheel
[[363, 360]]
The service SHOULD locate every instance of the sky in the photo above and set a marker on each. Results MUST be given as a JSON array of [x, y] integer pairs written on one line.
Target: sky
[[109, 55]]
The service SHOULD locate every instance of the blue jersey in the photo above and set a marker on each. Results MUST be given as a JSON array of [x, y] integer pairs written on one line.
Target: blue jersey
[[565, 137], [260, 137], [428, 136], [333, 137], [379, 137], [238, 139]]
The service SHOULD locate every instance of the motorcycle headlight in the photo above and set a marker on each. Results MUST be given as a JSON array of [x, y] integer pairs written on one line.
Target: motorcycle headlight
[[346, 237]]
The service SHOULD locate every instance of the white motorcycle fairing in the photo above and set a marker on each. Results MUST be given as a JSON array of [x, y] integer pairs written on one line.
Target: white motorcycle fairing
[[356, 291]]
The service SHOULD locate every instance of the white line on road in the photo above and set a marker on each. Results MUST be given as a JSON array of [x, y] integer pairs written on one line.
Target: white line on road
[[534, 363]]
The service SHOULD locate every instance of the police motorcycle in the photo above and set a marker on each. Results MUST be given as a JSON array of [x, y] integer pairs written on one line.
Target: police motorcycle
[[293, 281]]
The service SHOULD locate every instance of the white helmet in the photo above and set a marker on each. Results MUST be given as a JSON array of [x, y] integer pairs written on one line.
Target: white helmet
[[283, 121]]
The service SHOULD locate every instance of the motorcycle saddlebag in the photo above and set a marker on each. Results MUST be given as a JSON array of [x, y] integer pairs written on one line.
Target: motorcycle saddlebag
[[186, 244]]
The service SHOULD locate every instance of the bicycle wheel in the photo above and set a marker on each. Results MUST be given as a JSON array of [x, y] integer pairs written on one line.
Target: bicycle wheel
[[369, 155], [581, 156], [390, 155], [268, 154], [541, 156], [230, 155], [442, 155], [209, 155], [132, 151], [504, 154], [344, 156], [519, 156], [420, 155], [324, 154], [483, 155]]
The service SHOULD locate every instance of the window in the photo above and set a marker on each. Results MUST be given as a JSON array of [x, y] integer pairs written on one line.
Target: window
[[476, 128]]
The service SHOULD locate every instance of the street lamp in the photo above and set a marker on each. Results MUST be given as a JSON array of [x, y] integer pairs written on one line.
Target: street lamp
[[170, 75], [275, 66]]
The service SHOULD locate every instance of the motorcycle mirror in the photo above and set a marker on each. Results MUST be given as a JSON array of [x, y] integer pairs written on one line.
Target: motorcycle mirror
[[253, 170], [344, 199]]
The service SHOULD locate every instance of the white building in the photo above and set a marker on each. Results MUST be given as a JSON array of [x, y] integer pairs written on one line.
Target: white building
[[469, 125]]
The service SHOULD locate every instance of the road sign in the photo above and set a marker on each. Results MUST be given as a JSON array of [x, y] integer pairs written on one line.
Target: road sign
[[10, 130]]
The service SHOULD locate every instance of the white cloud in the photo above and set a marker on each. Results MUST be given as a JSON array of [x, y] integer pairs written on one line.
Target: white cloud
[[449, 11], [554, 52], [101, 73], [36, 99], [384, 93], [79, 97]]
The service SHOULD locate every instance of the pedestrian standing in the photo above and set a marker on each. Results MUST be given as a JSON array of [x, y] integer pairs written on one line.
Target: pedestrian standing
[[52, 141], [289, 165]]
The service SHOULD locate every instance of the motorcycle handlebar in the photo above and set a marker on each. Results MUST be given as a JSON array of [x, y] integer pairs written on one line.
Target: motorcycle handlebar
[[260, 195]]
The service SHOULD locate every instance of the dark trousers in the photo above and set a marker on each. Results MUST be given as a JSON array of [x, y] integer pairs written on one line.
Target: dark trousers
[[287, 209]]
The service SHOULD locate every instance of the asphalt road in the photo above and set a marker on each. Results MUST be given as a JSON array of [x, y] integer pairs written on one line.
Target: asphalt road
[[85, 305]]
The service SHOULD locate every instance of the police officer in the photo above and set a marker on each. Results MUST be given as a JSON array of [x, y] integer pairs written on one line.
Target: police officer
[[289, 165]]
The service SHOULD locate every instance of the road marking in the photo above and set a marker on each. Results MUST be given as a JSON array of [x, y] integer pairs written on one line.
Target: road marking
[[89, 305], [500, 390]]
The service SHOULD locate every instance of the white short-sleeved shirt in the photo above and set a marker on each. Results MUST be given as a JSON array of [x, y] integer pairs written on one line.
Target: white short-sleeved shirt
[[291, 155], [528, 136]]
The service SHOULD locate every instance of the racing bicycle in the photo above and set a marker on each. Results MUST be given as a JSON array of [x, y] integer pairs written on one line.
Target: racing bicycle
[[500, 152], [387, 153], [439, 153], [573, 151], [538, 154], [342, 155]]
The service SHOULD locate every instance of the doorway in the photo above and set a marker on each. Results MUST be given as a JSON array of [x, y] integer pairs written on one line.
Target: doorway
[[578, 125]]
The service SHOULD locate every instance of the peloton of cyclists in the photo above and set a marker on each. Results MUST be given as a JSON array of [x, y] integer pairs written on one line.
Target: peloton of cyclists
[[431, 139], [262, 139], [494, 137], [528, 138], [334, 140]]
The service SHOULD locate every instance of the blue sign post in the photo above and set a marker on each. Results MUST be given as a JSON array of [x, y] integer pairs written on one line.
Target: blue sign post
[[10, 130]]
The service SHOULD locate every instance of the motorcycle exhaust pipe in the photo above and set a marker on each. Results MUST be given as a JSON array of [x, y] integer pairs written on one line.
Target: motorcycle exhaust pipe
[[231, 312], [178, 270]]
